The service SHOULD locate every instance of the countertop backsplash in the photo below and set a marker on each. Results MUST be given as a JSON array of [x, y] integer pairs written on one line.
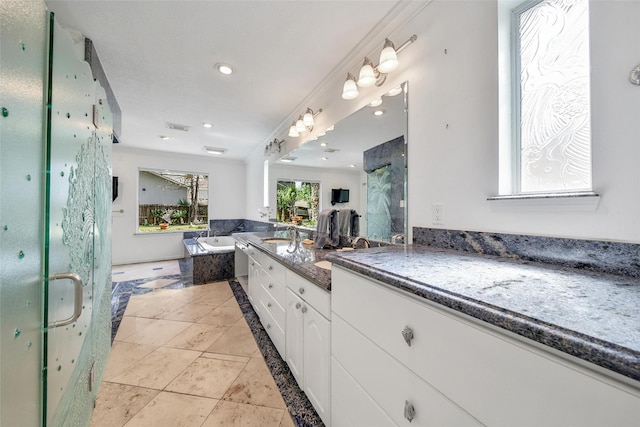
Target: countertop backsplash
[[591, 255]]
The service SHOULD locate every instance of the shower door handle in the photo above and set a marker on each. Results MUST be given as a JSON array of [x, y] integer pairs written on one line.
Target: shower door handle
[[77, 298]]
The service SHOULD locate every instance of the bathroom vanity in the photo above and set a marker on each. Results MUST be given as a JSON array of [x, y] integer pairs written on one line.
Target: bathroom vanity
[[439, 337]]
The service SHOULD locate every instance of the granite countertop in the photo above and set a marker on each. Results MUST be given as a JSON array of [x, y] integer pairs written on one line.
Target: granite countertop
[[593, 316], [301, 260]]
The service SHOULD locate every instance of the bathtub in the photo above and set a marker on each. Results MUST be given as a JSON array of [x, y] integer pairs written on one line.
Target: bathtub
[[217, 244], [213, 258]]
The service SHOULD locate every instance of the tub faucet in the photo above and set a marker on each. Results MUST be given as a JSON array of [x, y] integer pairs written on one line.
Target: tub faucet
[[397, 237], [199, 235], [367, 244]]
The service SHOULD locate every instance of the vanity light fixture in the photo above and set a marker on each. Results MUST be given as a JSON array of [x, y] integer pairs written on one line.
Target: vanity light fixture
[[369, 74], [273, 147], [215, 150], [304, 123]]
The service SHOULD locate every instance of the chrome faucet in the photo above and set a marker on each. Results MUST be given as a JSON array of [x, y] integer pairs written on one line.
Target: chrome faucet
[[295, 238], [367, 244], [396, 237], [200, 234]]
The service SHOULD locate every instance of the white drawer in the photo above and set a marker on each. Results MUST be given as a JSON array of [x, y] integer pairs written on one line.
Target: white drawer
[[276, 333], [314, 295], [272, 306], [351, 406], [273, 268], [497, 377], [391, 384], [275, 288]]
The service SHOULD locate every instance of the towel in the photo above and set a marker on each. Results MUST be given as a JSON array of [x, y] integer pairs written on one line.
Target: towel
[[344, 222], [355, 223], [327, 232]]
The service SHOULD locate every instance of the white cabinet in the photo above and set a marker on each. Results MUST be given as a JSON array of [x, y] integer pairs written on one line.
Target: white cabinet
[[308, 347], [267, 295], [470, 371]]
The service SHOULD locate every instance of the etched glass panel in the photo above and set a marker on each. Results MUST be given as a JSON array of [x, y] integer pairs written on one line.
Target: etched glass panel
[[379, 204], [555, 134]]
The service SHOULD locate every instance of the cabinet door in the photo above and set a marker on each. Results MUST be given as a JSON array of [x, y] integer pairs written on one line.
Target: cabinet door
[[295, 336], [317, 360], [254, 282]]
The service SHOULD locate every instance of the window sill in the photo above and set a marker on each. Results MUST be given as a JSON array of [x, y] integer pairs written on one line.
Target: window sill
[[586, 201]]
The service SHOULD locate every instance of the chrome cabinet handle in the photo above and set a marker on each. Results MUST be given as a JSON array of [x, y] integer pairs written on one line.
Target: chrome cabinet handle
[[304, 309], [270, 285], [253, 263], [409, 410], [301, 291], [269, 305], [298, 305], [77, 298], [407, 334], [269, 326], [270, 267]]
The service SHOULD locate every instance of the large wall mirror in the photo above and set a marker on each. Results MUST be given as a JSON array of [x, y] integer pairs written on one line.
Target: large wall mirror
[[366, 153]]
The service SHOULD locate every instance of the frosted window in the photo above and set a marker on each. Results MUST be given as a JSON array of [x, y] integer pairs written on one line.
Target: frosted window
[[555, 133]]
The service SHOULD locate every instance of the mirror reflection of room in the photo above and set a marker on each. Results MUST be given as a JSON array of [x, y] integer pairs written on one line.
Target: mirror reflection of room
[[364, 154]]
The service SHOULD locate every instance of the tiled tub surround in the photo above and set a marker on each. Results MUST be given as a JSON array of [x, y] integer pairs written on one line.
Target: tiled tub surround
[[593, 316], [208, 266]]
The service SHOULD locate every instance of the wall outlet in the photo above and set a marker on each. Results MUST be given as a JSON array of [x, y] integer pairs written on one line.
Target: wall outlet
[[438, 214]]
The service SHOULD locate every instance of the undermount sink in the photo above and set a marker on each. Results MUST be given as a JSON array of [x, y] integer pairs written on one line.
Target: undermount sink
[[276, 240]]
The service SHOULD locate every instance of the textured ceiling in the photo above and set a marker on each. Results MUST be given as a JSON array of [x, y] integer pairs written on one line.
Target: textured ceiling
[[159, 57]]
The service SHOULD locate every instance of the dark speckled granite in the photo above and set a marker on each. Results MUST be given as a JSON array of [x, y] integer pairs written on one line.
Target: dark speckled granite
[[597, 256], [593, 316]]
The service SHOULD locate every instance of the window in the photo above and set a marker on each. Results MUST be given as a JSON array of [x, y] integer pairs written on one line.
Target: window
[[550, 135], [298, 202], [172, 201]]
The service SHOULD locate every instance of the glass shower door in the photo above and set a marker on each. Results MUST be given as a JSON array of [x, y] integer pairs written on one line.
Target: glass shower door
[[69, 228]]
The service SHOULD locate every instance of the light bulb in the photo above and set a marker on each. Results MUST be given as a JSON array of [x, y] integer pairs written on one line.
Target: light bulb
[[367, 76], [300, 125], [350, 89], [388, 58], [308, 118], [293, 132]]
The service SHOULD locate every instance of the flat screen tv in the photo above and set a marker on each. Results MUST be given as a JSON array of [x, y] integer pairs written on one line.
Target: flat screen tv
[[339, 195]]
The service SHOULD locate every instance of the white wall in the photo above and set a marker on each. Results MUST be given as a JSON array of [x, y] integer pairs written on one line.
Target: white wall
[[227, 183], [453, 123]]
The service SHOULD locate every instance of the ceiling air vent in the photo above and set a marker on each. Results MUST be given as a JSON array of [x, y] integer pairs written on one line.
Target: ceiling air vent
[[178, 127]]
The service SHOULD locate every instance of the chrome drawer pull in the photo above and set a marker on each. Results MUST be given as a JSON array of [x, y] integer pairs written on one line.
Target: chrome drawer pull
[[407, 334], [409, 411], [269, 305], [269, 326], [270, 285], [304, 309], [301, 291], [298, 305], [270, 267]]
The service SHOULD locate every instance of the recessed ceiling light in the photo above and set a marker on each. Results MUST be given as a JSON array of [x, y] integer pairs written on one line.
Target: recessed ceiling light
[[207, 125], [352, 166], [395, 91], [323, 144], [325, 158], [376, 102], [215, 150], [378, 112], [224, 68], [164, 137]]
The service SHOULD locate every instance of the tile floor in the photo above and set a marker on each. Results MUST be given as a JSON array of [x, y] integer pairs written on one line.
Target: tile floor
[[184, 357]]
